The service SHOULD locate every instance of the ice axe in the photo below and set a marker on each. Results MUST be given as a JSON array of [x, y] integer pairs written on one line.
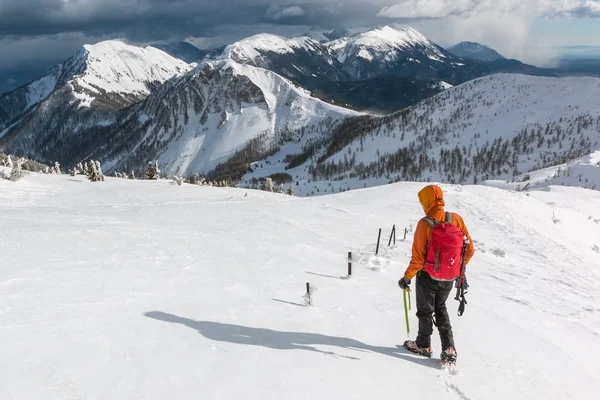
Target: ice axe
[[407, 306]]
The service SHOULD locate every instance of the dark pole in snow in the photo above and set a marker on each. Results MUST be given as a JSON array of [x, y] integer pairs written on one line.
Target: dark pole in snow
[[405, 233], [392, 236], [349, 263], [378, 240]]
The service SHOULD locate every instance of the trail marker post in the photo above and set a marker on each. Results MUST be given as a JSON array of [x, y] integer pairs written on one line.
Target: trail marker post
[[349, 264], [392, 236], [308, 296], [378, 240]]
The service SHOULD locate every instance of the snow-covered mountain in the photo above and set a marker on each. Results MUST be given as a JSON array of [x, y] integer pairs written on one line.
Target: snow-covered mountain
[[384, 51], [498, 127], [109, 74], [400, 52], [116, 75], [221, 112], [84, 92], [475, 51], [302, 59], [325, 62]]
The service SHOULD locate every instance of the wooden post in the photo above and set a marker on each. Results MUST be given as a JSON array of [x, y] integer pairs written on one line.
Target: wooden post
[[405, 233], [392, 236], [378, 240], [349, 264]]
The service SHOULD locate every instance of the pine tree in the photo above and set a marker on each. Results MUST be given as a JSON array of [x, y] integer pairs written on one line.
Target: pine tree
[[269, 185], [95, 171], [290, 190], [99, 171], [281, 191], [17, 173], [152, 173], [56, 169]]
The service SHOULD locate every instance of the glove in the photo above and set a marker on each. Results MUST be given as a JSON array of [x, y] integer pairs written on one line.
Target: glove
[[403, 283]]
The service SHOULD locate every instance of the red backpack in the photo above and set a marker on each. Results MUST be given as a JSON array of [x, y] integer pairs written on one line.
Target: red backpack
[[445, 250]]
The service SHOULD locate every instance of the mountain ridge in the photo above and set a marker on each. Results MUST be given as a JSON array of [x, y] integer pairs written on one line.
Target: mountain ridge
[[475, 51]]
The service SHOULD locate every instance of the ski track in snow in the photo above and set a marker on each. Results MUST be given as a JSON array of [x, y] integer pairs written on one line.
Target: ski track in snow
[[139, 289]]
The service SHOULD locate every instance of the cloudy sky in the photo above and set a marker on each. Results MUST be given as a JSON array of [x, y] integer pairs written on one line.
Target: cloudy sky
[[45, 31]]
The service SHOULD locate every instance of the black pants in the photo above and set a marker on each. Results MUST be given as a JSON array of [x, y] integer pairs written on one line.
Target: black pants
[[431, 298]]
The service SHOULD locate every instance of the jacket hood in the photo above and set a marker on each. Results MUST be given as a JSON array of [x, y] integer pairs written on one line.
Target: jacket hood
[[431, 198]]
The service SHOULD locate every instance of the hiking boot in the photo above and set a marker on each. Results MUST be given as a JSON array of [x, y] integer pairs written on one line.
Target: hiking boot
[[411, 346], [449, 355]]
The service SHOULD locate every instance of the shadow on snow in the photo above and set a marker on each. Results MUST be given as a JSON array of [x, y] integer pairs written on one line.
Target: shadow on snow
[[279, 340]]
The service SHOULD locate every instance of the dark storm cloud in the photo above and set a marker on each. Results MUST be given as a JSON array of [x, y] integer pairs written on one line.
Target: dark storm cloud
[[153, 19], [159, 19], [46, 30]]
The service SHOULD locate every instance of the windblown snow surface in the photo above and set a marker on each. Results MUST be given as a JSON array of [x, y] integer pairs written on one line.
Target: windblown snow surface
[[142, 290]]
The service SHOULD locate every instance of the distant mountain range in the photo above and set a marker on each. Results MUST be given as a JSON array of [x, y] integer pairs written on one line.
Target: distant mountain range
[[294, 103]]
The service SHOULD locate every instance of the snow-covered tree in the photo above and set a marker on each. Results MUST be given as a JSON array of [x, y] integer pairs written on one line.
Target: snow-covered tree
[[95, 171], [269, 185], [281, 190], [99, 170], [83, 169], [290, 190], [17, 172], [132, 175], [152, 172], [9, 162], [55, 170]]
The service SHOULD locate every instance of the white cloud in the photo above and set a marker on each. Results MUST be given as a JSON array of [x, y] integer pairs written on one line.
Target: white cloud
[[423, 9], [277, 12], [578, 9]]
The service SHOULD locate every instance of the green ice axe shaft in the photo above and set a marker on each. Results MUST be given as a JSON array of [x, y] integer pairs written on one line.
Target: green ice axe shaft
[[406, 307]]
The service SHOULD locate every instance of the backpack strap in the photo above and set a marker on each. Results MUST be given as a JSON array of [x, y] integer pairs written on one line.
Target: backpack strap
[[430, 221], [449, 217]]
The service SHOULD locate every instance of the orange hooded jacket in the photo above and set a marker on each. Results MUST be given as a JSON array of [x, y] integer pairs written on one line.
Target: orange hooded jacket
[[432, 200]]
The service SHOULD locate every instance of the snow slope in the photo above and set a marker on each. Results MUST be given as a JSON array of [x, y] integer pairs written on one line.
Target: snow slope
[[137, 289]]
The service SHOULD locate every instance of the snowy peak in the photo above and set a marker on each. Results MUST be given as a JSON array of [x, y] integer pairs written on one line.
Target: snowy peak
[[405, 52], [109, 74], [115, 68], [384, 42], [392, 37], [301, 59], [251, 48], [475, 51]]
